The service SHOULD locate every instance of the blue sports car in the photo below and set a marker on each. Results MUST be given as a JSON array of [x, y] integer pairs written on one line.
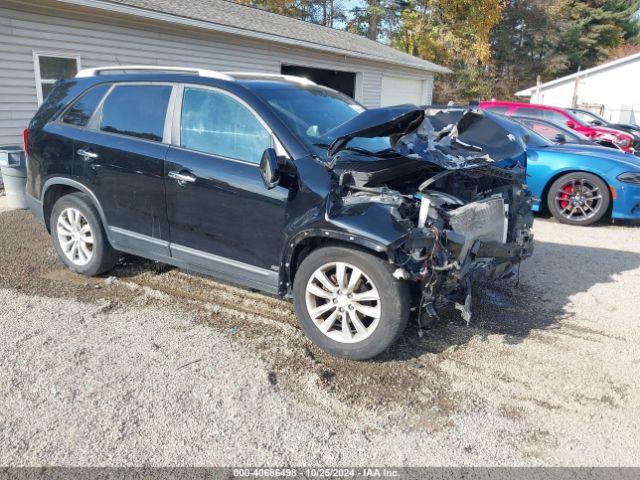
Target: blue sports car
[[580, 184]]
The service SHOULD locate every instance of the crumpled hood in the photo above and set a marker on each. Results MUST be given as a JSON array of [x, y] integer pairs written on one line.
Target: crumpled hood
[[451, 139], [469, 135], [377, 122]]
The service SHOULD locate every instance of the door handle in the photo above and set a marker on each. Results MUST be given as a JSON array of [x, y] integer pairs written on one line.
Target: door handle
[[182, 178], [87, 155]]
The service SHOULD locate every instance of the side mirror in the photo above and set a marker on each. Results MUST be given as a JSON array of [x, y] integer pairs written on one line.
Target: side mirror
[[571, 124], [270, 168], [560, 138]]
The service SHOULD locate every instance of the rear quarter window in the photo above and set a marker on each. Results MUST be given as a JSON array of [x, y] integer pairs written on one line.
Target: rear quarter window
[[136, 111], [81, 111]]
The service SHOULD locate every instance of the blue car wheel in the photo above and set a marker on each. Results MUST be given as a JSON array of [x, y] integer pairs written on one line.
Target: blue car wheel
[[578, 198]]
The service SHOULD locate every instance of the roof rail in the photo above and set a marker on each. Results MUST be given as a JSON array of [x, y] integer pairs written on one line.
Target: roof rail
[[92, 72], [290, 78]]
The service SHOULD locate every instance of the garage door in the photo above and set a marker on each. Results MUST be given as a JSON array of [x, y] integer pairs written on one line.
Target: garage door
[[396, 91]]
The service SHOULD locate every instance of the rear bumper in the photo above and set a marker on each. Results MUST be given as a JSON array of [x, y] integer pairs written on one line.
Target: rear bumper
[[36, 208]]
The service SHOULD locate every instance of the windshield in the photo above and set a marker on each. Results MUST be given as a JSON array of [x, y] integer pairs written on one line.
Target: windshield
[[589, 117], [311, 111]]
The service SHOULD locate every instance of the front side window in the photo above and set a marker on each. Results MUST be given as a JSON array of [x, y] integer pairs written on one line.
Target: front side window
[[216, 123], [81, 111], [52, 68], [136, 111]]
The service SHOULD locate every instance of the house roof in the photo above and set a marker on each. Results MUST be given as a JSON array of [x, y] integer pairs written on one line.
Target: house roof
[[230, 17], [527, 92]]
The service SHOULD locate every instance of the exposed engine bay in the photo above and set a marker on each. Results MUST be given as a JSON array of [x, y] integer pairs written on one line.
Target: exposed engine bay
[[454, 181]]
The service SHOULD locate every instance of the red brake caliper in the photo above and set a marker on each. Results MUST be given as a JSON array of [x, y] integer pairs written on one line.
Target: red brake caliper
[[564, 196]]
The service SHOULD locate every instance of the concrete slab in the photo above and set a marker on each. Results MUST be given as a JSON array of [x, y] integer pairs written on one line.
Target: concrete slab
[[3, 203]]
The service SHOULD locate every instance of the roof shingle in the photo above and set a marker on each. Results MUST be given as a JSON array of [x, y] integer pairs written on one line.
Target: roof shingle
[[277, 27]]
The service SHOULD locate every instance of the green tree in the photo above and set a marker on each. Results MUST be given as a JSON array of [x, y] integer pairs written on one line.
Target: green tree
[[454, 33], [552, 38], [590, 29], [323, 12], [524, 44]]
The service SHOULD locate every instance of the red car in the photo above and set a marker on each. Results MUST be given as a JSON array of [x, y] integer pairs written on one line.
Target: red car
[[563, 117]]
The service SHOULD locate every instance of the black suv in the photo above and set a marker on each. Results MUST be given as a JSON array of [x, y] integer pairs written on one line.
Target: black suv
[[362, 217]]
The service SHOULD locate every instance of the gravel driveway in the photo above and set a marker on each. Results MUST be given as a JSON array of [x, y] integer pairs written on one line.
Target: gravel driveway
[[154, 366]]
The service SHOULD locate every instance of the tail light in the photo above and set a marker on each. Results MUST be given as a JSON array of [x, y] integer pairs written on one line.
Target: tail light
[[25, 140]]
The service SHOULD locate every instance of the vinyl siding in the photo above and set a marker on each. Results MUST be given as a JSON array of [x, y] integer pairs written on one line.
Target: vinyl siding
[[111, 40]]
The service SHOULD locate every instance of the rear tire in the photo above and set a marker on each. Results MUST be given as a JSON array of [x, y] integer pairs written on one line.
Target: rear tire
[[79, 237], [360, 316], [578, 198]]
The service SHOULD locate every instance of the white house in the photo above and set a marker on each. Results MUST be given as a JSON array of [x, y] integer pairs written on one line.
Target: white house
[[42, 41], [611, 89]]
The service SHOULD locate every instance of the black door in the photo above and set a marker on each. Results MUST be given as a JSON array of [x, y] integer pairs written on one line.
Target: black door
[[222, 217], [121, 159]]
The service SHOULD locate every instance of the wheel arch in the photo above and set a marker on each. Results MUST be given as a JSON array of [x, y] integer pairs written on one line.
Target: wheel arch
[[302, 244], [557, 175], [57, 187]]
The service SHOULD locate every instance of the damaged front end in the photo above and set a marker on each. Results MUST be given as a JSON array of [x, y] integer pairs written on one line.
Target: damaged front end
[[454, 185]]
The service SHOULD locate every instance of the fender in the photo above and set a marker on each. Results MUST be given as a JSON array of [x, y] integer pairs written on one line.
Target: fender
[[322, 235]]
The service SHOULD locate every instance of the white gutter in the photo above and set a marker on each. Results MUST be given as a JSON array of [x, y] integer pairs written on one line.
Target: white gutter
[[206, 25]]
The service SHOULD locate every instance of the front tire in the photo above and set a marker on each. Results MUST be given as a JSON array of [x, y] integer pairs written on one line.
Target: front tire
[[578, 198], [348, 302], [79, 237]]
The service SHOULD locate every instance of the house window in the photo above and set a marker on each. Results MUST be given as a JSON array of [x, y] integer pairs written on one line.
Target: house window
[[51, 67]]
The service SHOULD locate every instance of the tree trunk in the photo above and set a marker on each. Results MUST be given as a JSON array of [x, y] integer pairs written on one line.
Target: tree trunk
[[374, 20], [331, 13], [325, 13]]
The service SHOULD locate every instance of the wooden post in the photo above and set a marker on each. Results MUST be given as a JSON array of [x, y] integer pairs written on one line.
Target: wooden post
[[574, 99]]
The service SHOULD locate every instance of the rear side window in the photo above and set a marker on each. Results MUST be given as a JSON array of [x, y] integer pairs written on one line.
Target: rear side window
[[136, 111], [81, 111], [213, 122]]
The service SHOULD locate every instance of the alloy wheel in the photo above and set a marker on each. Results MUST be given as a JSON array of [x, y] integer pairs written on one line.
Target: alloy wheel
[[75, 236], [343, 302], [578, 199]]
